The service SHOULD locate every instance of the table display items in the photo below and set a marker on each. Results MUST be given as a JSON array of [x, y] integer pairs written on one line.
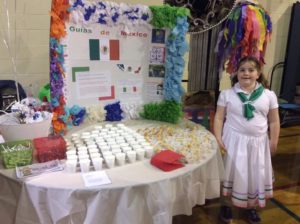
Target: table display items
[[105, 146], [16, 153], [187, 138], [38, 168], [168, 160], [27, 120], [50, 148]]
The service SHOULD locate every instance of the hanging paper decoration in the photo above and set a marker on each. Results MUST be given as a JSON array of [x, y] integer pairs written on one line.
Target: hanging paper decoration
[[246, 32]]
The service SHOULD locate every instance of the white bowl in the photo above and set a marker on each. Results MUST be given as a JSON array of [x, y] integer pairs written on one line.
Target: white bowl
[[25, 131]]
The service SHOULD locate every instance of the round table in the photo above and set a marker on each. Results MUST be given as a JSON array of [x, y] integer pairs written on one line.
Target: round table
[[139, 193]]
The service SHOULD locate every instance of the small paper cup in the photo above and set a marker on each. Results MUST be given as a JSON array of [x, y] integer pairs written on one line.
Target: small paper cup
[[70, 166], [83, 156], [131, 156], [120, 158], [104, 148], [82, 152], [149, 151], [110, 161], [72, 157], [97, 163], [140, 154], [95, 155], [93, 150], [107, 153], [84, 165], [70, 152], [126, 149]]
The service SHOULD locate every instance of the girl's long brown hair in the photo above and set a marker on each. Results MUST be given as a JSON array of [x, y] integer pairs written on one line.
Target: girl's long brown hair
[[257, 64]]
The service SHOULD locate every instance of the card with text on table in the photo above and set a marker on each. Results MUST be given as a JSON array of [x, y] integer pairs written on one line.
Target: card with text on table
[[95, 178]]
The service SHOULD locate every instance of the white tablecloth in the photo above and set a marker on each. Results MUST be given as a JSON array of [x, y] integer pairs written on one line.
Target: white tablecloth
[[139, 194]]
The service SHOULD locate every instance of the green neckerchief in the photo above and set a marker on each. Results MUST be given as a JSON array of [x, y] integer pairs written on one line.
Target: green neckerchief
[[248, 107]]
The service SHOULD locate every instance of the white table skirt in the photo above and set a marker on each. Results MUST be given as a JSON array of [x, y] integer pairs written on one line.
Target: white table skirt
[[139, 193]]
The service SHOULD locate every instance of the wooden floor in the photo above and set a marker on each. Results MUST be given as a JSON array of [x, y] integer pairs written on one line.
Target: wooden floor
[[284, 208]]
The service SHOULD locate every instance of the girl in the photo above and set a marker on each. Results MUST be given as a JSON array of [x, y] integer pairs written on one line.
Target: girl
[[244, 114]]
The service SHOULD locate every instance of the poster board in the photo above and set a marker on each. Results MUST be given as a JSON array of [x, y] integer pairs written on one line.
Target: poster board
[[108, 55], [113, 63]]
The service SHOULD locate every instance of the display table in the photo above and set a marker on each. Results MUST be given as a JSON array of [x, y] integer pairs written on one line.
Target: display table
[[139, 193]]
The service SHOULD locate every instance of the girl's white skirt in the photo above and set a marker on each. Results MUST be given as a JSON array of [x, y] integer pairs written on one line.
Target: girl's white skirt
[[248, 168]]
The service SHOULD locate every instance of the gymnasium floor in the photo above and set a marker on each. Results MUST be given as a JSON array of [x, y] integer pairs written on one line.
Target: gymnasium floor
[[284, 208]]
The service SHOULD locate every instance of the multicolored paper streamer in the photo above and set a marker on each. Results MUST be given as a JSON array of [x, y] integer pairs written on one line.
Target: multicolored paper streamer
[[246, 32]]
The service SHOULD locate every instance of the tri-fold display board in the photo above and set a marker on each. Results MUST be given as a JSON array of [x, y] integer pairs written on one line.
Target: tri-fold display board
[[108, 63]]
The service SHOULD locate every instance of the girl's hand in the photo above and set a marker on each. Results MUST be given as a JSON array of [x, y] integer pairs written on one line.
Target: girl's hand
[[273, 148], [222, 147]]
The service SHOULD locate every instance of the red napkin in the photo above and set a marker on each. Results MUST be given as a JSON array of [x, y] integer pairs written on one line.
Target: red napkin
[[167, 160]]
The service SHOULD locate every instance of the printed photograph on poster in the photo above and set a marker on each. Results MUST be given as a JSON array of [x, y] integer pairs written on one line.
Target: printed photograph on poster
[[157, 71], [157, 55], [158, 36], [130, 69], [93, 85], [129, 89], [154, 91]]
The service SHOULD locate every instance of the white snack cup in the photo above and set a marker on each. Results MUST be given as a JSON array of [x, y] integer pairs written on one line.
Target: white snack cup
[[82, 152], [140, 154], [84, 165], [107, 153], [95, 155], [91, 146], [82, 148], [120, 157], [110, 161], [115, 151], [97, 163], [115, 146], [131, 156], [126, 149], [71, 165], [83, 156], [71, 152], [149, 151], [104, 148], [72, 157], [101, 144], [93, 150], [120, 141]]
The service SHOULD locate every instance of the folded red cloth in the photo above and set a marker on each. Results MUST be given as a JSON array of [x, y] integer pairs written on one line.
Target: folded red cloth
[[167, 160], [49, 148]]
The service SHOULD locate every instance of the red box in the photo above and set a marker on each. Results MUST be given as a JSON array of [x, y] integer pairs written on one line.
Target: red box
[[50, 148]]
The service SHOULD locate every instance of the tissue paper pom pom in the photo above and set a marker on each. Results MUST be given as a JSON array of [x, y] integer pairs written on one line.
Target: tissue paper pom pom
[[77, 114], [168, 111], [113, 112], [165, 16], [131, 110], [96, 113]]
